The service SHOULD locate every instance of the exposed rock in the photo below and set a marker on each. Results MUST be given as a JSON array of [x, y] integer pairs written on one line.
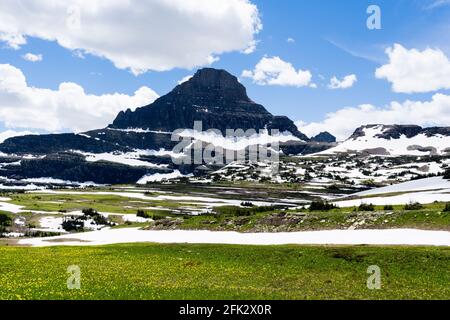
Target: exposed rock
[[375, 151], [212, 96], [431, 150], [396, 131], [324, 137]]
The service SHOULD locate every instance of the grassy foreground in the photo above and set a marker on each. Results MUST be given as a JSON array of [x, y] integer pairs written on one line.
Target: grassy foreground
[[151, 271]]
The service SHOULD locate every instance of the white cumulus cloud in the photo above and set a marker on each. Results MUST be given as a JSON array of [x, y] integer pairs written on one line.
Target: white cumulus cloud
[[68, 108], [414, 71], [275, 71], [138, 35], [343, 122], [251, 47], [345, 83], [32, 57]]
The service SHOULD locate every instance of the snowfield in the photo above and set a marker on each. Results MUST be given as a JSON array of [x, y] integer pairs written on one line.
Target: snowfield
[[423, 191], [333, 237], [9, 207], [130, 158], [434, 183]]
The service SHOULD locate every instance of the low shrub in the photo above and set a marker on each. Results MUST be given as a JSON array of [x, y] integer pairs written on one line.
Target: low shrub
[[333, 187], [388, 207], [321, 206], [246, 211], [447, 174], [73, 225], [366, 207], [90, 212], [143, 214], [5, 220], [413, 206], [247, 204]]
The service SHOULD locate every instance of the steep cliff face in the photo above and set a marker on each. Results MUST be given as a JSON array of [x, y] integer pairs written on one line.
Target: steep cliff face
[[214, 97]]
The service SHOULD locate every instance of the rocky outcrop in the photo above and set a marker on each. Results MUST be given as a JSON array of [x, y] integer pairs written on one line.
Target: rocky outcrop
[[324, 137], [397, 131]]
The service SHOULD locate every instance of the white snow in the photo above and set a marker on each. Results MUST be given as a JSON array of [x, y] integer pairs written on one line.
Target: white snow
[[157, 177], [434, 183], [83, 135], [139, 130], [423, 191], [45, 180], [13, 235], [237, 143], [9, 207], [51, 224], [130, 159], [20, 221], [126, 217], [21, 187], [332, 237], [160, 153]]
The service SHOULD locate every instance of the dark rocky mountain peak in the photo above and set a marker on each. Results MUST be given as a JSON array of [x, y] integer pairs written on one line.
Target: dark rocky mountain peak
[[324, 137], [214, 97], [213, 82]]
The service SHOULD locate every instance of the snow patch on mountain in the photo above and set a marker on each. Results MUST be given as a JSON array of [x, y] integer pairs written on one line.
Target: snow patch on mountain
[[236, 142], [371, 142], [129, 158], [158, 177]]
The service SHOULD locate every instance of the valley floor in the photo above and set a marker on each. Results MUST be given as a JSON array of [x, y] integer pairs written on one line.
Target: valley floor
[[224, 241], [151, 271]]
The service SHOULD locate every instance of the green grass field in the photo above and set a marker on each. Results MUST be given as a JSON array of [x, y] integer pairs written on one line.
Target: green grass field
[[430, 217], [150, 271]]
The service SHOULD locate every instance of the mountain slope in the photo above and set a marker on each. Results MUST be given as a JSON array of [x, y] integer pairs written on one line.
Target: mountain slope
[[142, 140], [396, 140], [212, 96]]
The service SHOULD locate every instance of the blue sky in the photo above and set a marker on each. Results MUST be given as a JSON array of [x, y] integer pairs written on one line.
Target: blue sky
[[330, 39]]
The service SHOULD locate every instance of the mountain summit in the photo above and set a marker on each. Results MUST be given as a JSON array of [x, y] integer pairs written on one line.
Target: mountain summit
[[214, 97]]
